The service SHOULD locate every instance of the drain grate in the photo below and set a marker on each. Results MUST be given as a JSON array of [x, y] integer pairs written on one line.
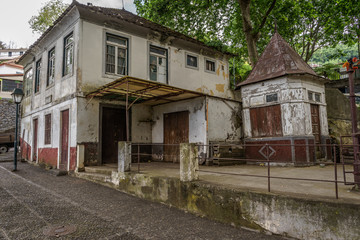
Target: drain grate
[[58, 230]]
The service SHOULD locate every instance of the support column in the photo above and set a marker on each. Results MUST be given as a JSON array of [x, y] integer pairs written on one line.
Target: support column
[[124, 156], [188, 162], [80, 158]]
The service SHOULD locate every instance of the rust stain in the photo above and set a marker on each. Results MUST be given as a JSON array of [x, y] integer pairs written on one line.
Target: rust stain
[[211, 93], [224, 75], [199, 90], [218, 70], [220, 87]]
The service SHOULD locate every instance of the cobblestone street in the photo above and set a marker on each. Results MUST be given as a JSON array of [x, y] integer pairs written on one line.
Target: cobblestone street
[[34, 203]]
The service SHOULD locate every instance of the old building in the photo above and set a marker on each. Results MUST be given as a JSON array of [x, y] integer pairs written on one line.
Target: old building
[[100, 75], [284, 105], [11, 77]]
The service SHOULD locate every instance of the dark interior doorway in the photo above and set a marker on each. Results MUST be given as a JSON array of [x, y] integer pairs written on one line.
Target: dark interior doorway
[[113, 130]]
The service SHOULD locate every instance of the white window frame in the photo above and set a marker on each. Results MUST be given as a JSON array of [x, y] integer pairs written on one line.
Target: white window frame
[[197, 61], [313, 94], [28, 82], [117, 46], [159, 55], [51, 68], [68, 48]]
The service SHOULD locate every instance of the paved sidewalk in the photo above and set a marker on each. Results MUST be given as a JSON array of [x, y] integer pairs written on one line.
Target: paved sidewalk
[[32, 200]]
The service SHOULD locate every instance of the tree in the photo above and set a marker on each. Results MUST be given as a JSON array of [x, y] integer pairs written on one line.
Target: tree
[[2, 45], [247, 25], [47, 15]]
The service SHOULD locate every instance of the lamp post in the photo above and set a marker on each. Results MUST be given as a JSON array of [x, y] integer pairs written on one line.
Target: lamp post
[[17, 96]]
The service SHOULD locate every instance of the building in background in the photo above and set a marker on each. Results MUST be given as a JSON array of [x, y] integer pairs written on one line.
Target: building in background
[[11, 77]]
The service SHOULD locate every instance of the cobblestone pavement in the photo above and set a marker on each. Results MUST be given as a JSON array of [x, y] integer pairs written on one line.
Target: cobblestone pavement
[[33, 202]]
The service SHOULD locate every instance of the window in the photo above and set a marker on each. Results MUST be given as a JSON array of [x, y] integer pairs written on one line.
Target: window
[[191, 61], [272, 97], [68, 55], [48, 129], [21, 52], [28, 82], [158, 64], [209, 66], [37, 76], [116, 58], [10, 54], [313, 96], [51, 67]]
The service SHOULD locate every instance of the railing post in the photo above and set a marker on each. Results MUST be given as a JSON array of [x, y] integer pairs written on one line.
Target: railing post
[[335, 169], [189, 164], [268, 165], [124, 156]]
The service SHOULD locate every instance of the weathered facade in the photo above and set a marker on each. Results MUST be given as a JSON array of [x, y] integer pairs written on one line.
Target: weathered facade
[[89, 47], [284, 105]]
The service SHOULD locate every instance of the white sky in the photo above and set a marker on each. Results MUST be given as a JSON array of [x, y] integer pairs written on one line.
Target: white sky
[[15, 15]]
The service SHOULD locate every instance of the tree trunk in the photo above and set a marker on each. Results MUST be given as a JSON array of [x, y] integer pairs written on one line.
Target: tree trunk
[[248, 30]]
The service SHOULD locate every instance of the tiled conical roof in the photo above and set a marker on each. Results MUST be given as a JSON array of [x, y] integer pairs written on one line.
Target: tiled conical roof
[[278, 59]]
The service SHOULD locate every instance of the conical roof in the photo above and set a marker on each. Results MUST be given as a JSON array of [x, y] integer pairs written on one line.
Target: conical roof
[[278, 59]]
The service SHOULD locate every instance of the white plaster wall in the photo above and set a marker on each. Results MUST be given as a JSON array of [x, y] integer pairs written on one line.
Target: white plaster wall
[[6, 69], [197, 121], [55, 111], [224, 120], [63, 86], [89, 120], [93, 72], [295, 105]]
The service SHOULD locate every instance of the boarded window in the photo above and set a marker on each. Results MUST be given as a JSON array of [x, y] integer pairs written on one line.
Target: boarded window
[[48, 129], [266, 121]]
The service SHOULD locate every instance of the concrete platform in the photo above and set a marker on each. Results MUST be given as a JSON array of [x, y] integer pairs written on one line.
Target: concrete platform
[[225, 176]]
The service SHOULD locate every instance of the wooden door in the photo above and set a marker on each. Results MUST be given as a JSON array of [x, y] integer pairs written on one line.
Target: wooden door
[[315, 122], [64, 140], [176, 130], [113, 130], [35, 139]]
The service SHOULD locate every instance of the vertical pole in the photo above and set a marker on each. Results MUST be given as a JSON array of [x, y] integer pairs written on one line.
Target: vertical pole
[[16, 137], [335, 169], [127, 111], [268, 163], [138, 153], [354, 128]]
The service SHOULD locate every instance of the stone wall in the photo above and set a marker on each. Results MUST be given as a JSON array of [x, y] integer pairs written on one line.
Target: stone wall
[[7, 115]]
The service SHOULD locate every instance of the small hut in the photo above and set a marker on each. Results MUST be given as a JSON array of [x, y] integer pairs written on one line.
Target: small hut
[[284, 106]]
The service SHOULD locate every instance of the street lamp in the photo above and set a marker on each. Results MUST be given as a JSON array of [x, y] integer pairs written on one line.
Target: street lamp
[[17, 96]]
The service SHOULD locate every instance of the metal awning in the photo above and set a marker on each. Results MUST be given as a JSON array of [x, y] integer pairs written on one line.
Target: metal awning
[[136, 90]]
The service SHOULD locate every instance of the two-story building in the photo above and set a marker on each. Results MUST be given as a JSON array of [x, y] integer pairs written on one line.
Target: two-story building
[[101, 75]]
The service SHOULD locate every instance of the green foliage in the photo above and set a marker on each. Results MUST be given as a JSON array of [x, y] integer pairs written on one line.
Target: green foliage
[[329, 70], [337, 54], [47, 15], [2, 45]]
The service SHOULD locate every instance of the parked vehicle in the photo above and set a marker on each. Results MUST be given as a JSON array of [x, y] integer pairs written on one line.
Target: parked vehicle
[[6, 141]]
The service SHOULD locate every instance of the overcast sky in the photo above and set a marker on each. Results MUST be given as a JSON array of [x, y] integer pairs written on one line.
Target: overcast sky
[[15, 15]]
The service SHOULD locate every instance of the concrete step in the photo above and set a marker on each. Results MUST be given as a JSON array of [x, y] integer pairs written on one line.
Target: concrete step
[[100, 170], [95, 177]]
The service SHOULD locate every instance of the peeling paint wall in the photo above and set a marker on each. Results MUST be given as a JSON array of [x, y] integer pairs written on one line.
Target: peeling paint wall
[[93, 56], [197, 121], [224, 120], [295, 104]]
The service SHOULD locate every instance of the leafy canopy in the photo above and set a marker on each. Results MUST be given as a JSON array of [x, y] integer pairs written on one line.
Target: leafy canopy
[[47, 15]]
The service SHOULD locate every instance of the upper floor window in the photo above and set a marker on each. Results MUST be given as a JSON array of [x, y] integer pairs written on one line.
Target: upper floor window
[[51, 67], [68, 54], [158, 64], [272, 97], [37, 76], [7, 85], [209, 66], [192, 61], [28, 80], [116, 58], [10, 54], [314, 96]]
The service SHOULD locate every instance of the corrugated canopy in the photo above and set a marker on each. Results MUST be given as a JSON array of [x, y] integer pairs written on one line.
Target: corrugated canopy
[[142, 91]]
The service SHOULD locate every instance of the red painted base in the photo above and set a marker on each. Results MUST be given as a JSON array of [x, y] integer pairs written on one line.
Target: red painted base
[[25, 149], [48, 156]]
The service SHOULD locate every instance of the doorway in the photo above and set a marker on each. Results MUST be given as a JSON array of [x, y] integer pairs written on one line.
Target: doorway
[[35, 139], [315, 122], [176, 130], [64, 140], [113, 130]]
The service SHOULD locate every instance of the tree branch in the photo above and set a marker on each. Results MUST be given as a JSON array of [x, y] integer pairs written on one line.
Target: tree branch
[[262, 24]]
